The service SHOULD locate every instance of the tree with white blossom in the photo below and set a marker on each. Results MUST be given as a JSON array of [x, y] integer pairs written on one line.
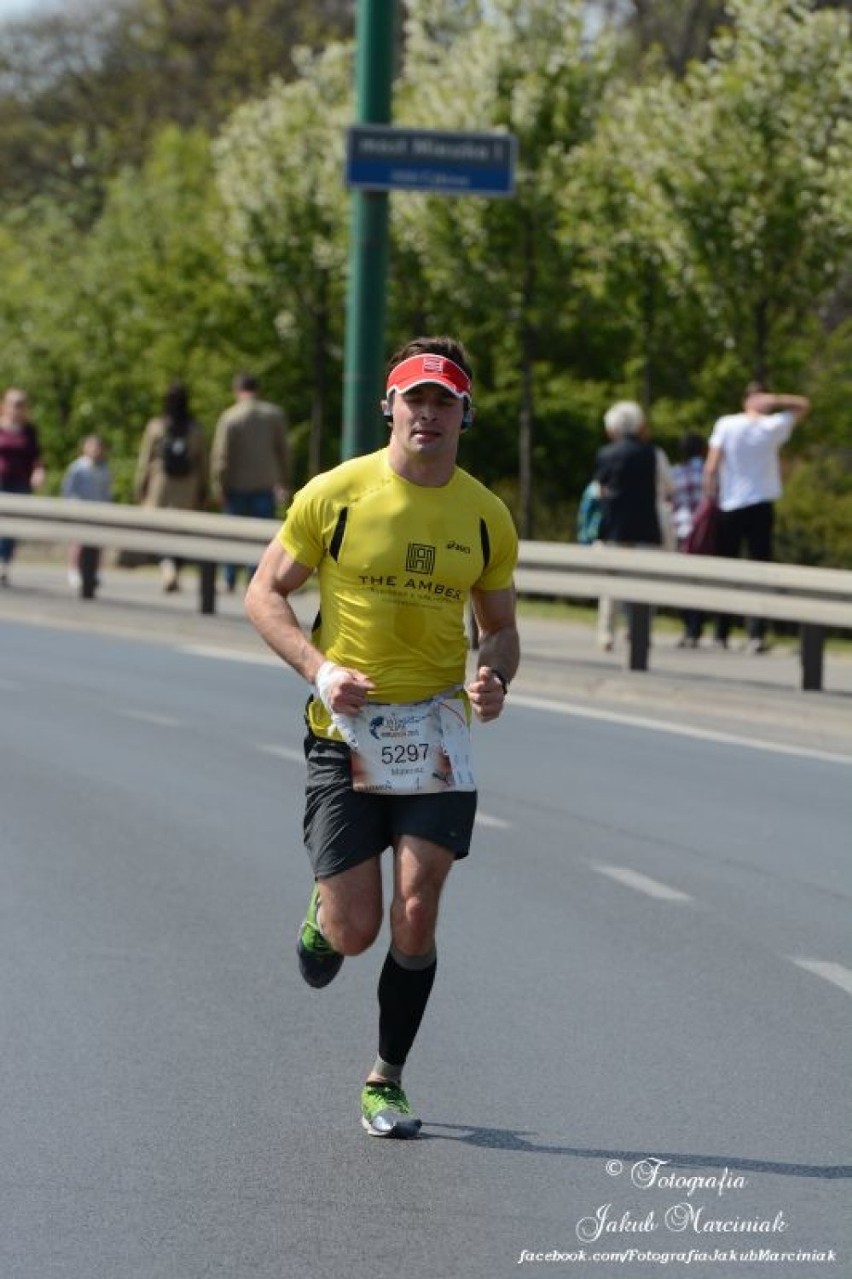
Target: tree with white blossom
[[737, 180], [526, 67]]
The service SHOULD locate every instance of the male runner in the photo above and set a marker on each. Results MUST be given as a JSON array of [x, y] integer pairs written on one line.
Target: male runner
[[400, 539]]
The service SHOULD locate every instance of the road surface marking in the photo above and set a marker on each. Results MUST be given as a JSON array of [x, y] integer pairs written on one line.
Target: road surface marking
[[150, 717], [680, 730], [642, 883], [834, 973], [582, 712], [284, 752], [497, 823], [228, 655]]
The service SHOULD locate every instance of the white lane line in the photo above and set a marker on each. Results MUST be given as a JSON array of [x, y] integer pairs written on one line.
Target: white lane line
[[228, 655], [679, 730], [642, 883], [582, 712], [835, 973], [284, 752], [496, 823], [150, 717]]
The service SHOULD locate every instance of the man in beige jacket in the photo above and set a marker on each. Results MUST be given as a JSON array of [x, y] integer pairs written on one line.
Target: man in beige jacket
[[249, 464]]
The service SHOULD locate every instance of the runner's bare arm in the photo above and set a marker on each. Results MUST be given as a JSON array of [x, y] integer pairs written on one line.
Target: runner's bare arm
[[269, 609], [499, 650]]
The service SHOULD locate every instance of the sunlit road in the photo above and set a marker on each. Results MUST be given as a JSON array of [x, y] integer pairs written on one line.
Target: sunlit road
[[645, 980]]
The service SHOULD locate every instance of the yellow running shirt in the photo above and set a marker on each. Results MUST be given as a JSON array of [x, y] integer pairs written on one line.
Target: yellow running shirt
[[396, 562]]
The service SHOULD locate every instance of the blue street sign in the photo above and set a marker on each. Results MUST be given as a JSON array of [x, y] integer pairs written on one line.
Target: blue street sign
[[384, 158]]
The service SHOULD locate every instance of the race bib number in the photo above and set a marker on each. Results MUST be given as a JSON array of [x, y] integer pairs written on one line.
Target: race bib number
[[418, 748]]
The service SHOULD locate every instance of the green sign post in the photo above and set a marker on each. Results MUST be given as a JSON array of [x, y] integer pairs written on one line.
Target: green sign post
[[368, 259]]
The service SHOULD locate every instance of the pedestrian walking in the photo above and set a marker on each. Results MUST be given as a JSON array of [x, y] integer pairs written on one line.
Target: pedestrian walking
[[21, 469], [743, 473], [87, 479], [633, 484], [400, 540], [249, 464], [171, 471]]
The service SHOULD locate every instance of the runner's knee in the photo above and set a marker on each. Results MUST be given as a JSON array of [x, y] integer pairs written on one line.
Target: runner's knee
[[360, 936], [353, 932], [413, 920]]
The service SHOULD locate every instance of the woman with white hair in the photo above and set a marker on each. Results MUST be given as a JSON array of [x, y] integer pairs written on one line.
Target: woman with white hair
[[627, 470], [624, 418]]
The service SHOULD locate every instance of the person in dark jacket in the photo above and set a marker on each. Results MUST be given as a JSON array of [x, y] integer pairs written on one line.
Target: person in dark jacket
[[21, 468], [627, 470]]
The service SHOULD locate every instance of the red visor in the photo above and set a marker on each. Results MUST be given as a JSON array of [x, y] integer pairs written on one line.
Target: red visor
[[418, 369]]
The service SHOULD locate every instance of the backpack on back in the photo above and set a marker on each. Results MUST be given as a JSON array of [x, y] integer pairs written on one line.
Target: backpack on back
[[174, 453]]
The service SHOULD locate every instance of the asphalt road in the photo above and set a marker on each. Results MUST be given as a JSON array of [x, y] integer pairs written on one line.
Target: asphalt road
[[645, 977]]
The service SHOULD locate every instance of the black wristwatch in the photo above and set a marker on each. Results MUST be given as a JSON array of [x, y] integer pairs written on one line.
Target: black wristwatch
[[501, 679]]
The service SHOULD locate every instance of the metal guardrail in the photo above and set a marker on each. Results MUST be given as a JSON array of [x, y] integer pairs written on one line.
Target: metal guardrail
[[195, 536], [815, 598]]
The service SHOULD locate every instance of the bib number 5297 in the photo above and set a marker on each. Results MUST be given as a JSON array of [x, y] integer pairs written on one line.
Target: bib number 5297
[[405, 753]]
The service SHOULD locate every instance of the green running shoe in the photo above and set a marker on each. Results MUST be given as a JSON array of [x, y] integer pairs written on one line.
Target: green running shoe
[[319, 962], [385, 1111]]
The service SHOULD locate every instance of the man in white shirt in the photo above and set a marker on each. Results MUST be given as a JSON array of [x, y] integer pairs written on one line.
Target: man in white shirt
[[743, 473]]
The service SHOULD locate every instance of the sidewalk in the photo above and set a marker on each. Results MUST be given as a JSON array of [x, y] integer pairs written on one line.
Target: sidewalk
[[723, 691]]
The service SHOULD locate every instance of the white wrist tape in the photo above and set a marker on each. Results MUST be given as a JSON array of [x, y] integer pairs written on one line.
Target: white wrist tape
[[324, 677]]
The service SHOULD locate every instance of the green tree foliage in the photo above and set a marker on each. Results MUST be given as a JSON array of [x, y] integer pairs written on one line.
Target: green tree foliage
[[85, 90], [524, 66], [676, 32], [54, 140], [164, 306], [815, 513], [746, 151], [99, 323], [279, 164], [717, 208]]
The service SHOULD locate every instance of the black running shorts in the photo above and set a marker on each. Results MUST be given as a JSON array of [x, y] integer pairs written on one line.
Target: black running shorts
[[344, 827]]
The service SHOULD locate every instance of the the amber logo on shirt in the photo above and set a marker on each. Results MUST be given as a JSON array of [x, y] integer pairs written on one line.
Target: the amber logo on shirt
[[419, 558]]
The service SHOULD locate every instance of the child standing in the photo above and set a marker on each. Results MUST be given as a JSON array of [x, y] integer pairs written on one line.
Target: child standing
[[88, 478]]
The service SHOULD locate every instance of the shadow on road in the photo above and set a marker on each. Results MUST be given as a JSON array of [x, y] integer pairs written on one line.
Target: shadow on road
[[511, 1139]]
